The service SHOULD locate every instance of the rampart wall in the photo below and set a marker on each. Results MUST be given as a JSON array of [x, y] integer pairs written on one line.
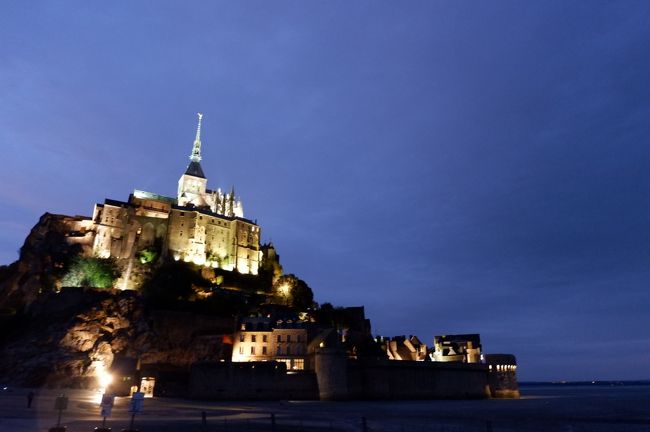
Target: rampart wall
[[250, 381], [387, 379], [341, 380]]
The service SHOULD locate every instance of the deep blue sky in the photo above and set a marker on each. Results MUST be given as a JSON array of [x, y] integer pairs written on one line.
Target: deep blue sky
[[453, 166]]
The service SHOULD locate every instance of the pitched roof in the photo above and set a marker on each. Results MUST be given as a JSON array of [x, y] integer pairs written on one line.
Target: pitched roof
[[194, 169]]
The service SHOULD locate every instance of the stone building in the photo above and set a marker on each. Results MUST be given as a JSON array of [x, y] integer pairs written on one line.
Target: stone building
[[403, 348], [260, 339], [199, 225], [464, 348]]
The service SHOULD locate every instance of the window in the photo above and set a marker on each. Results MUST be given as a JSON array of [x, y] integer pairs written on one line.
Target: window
[[288, 338], [253, 338], [288, 350], [182, 213], [299, 364], [242, 338], [264, 350], [279, 351], [264, 338], [252, 350], [279, 338], [299, 338], [241, 350]]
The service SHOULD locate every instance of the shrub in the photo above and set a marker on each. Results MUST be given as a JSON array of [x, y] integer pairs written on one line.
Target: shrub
[[91, 272]]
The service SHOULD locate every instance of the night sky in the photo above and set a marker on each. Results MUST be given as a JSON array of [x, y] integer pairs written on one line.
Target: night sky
[[453, 166]]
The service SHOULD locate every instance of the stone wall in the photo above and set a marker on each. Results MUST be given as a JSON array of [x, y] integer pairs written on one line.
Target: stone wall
[[386, 379], [503, 375], [250, 381], [336, 378]]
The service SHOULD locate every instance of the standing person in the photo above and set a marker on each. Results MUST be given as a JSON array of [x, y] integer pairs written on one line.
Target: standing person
[[30, 398]]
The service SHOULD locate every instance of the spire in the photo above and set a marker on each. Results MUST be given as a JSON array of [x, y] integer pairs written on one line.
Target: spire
[[196, 150]]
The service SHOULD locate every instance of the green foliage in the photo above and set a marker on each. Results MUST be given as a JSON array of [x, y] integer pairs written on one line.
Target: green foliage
[[148, 255], [173, 282], [246, 283], [53, 250], [294, 292], [176, 283], [91, 272]]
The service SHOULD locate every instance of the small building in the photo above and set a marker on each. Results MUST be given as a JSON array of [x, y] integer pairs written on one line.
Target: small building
[[261, 339], [463, 348], [403, 348]]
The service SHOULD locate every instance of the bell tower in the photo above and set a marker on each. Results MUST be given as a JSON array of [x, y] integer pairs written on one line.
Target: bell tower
[[192, 184]]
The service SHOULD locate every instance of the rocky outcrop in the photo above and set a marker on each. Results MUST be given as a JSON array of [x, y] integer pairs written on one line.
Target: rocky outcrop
[[48, 248], [62, 336], [59, 336]]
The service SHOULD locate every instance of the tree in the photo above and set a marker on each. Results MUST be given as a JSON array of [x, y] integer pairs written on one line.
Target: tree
[[91, 272], [173, 282], [294, 292], [148, 255]]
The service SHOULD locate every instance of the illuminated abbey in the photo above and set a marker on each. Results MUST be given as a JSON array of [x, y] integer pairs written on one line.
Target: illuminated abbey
[[199, 225]]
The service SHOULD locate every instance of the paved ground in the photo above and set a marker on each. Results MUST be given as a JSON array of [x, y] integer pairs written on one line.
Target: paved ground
[[590, 409]]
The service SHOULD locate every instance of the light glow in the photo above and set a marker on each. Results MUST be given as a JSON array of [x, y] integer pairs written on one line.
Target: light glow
[[104, 378]]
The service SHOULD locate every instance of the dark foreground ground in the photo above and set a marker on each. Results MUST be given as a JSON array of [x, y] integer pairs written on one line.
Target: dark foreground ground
[[595, 408]]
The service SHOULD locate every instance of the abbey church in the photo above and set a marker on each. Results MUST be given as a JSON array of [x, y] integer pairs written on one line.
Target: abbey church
[[199, 225]]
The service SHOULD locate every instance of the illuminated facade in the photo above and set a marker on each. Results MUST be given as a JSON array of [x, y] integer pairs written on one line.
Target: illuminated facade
[[403, 348], [464, 348], [203, 226], [260, 340]]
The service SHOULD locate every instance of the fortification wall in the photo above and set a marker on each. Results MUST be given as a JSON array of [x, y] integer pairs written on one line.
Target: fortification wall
[[503, 375], [387, 379], [250, 381], [337, 378]]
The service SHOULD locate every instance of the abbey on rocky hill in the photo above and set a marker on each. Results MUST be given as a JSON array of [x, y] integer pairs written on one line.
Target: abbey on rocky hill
[[203, 226]]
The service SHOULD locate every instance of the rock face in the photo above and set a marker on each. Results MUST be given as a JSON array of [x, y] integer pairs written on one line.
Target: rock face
[[53, 241], [62, 335], [59, 336]]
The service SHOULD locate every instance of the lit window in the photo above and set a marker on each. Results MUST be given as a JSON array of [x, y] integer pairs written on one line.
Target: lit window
[[298, 364]]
